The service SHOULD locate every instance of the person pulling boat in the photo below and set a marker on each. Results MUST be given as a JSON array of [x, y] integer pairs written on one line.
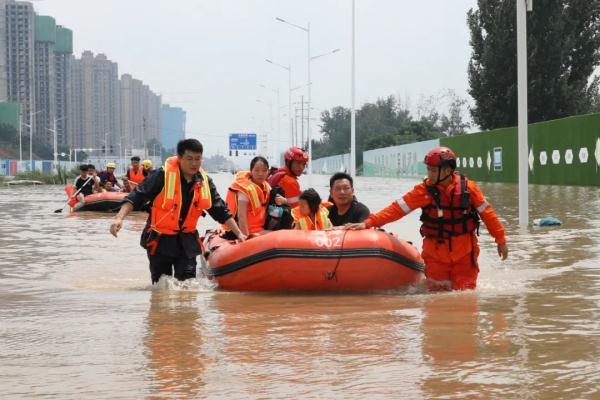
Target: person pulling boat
[[179, 194], [451, 206]]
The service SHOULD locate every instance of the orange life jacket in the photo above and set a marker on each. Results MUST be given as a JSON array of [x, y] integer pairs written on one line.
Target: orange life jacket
[[167, 205], [258, 200], [289, 183], [321, 219], [448, 216], [138, 176]]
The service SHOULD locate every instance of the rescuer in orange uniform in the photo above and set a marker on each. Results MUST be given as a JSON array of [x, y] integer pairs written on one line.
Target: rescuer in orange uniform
[[180, 193], [451, 208], [287, 177]]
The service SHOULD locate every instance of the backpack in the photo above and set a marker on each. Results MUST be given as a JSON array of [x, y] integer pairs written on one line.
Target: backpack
[[278, 217]]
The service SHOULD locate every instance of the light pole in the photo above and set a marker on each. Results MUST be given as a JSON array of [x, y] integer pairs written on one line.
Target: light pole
[[55, 141], [307, 30], [20, 140], [30, 126], [289, 70], [352, 111], [270, 105], [522, 7], [308, 60], [106, 147], [145, 137], [278, 145]]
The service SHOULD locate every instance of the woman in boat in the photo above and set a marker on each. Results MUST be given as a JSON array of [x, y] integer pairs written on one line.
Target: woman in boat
[[248, 197], [311, 214]]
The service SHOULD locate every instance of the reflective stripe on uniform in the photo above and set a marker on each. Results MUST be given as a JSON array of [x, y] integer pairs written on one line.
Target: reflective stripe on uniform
[[293, 199], [404, 206], [483, 206], [171, 185], [254, 197], [303, 224]]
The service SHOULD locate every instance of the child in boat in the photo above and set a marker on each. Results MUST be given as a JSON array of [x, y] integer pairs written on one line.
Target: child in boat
[[311, 214], [126, 186], [108, 187]]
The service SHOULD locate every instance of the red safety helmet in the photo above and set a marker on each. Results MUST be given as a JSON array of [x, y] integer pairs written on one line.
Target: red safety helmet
[[296, 153], [439, 157]]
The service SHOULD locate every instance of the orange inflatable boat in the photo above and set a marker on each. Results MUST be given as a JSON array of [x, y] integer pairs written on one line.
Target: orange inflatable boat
[[293, 260], [103, 202]]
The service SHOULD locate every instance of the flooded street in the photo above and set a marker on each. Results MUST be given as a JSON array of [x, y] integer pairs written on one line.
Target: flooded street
[[79, 318]]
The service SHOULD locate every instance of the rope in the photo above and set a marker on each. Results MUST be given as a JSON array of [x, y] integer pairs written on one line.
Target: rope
[[333, 273]]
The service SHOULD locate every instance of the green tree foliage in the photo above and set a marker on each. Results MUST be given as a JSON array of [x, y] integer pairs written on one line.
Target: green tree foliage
[[563, 45], [9, 137], [386, 123], [8, 134]]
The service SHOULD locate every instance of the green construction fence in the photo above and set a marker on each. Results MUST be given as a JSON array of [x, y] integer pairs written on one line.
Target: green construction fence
[[561, 152]]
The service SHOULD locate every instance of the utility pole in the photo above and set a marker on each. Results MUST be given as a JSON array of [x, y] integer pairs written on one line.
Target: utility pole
[[55, 142], [302, 121], [145, 138], [352, 96]]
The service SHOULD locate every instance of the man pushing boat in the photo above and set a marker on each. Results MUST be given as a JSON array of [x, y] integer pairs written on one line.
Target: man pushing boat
[[179, 194], [451, 208]]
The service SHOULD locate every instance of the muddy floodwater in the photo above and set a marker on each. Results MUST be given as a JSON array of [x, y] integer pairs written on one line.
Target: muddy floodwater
[[79, 318]]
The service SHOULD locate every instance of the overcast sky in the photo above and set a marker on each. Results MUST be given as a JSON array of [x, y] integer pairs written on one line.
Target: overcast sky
[[208, 56]]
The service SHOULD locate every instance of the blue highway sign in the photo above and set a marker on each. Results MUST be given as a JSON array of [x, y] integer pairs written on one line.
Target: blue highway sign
[[242, 141]]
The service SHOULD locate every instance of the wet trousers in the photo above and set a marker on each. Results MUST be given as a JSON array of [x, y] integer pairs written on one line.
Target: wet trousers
[[457, 269], [185, 268]]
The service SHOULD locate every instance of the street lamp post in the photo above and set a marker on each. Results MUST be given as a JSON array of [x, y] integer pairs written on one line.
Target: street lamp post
[[270, 105], [277, 146], [308, 60], [289, 70], [20, 140], [30, 126], [106, 147], [307, 30], [55, 142], [352, 111], [522, 145]]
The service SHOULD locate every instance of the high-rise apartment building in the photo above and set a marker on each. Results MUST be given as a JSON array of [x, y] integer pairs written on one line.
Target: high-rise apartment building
[[45, 89], [94, 116], [63, 50], [172, 126], [17, 80], [140, 114], [34, 56]]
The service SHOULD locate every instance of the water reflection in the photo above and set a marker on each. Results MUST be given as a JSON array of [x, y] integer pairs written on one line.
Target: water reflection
[[173, 344], [530, 330], [295, 344]]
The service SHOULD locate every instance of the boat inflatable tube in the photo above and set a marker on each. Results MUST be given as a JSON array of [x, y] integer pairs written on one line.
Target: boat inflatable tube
[[102, 202], [318, 261]]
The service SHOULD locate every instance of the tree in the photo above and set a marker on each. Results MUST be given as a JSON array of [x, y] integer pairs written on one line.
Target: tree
[[380, 124], [453, 124], [8, 134], [563, 44]]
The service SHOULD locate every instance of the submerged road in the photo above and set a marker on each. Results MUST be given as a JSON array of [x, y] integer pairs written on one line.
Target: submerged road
[[79, 319]]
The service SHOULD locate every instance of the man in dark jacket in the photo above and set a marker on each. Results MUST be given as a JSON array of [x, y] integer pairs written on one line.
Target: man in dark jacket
[[345, 208], [178, 197]]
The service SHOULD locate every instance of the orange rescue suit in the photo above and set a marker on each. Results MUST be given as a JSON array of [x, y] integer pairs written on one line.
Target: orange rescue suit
[[454, 257], [138, 176], [289, 183], [322, 222], [166, 207], [258, 196]]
